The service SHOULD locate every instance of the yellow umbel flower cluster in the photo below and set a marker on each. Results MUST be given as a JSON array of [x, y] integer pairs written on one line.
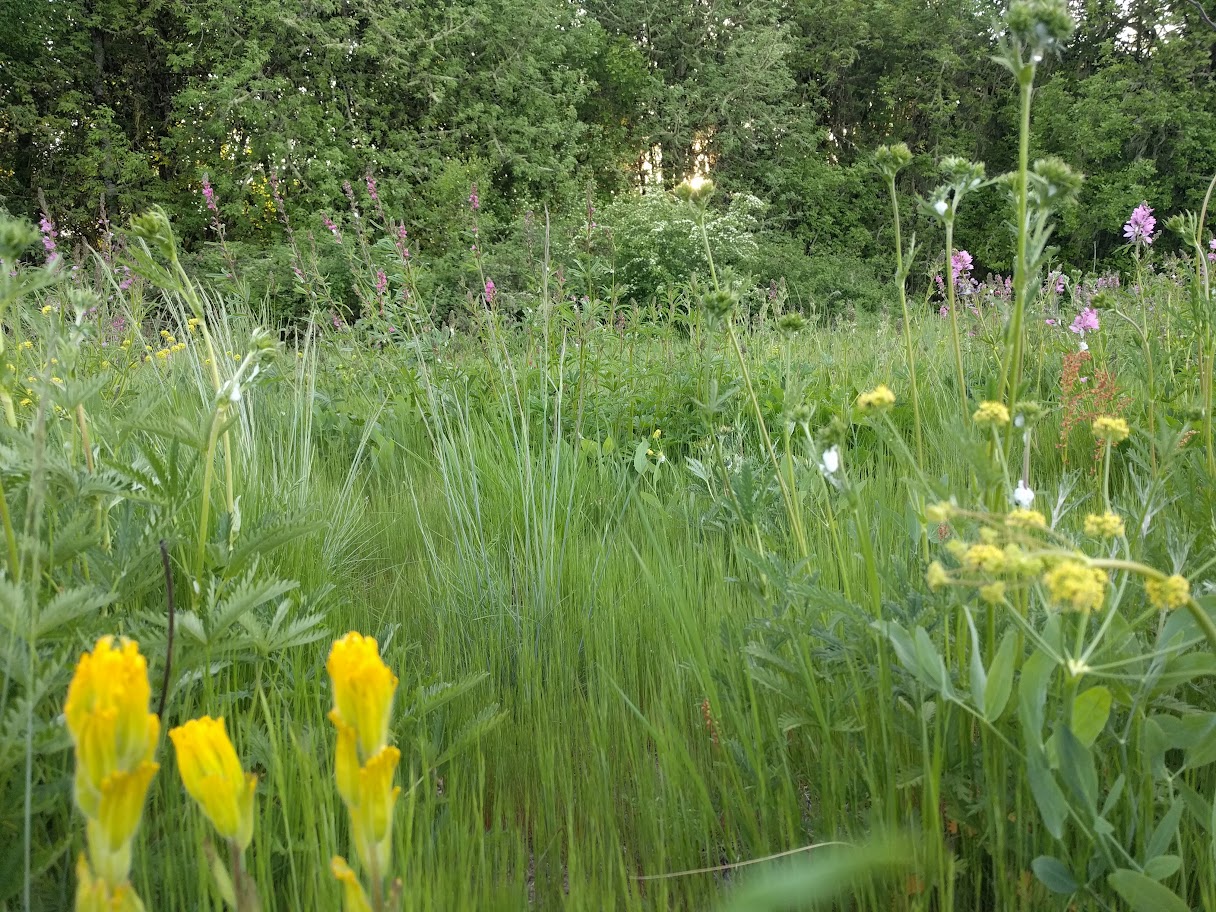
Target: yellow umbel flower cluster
[[365, 762], [984, 557], [876, 400], [115, 737], [212, 774], [1073, 585], [994, 413], [1104, 525], [1026, 519], [1114, 430], [1169, 593]]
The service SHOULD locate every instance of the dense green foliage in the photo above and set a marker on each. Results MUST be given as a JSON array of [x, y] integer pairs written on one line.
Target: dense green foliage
[[108, 107]]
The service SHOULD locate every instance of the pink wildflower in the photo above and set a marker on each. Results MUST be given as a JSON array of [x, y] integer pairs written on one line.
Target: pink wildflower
[[1086, 321], [474, 199], [491, 290], [1139, 228], [1050, 322], [209, 194], [1212, 248], [331, 228], [381, 282], [48, 235], [371, 188]]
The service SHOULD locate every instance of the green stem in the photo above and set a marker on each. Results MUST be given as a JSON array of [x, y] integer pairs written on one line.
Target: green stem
[[950, 299], [204, 512], [10, 537], [1011, 370], [903, 303]]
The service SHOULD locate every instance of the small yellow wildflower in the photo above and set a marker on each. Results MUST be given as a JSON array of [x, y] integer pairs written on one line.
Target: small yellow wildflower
[[939, 512], [212, 774], [47, 309], [1019, 564], [105, 365], [994, 413], [354, 899], [365, 763], [1169, 593], [115, 737], [1026, 519], [56, 380], [54, 361], [657, 434], [878, 399], [1071, 584], [1104, 525], [27, 344], [126, 343], [984, 557], [178, 346], [993, 593], [1114, 430], [164, 334], [163, 354], [936, 576], [236, 357], [26, 401], [94, 894], [192, 324]]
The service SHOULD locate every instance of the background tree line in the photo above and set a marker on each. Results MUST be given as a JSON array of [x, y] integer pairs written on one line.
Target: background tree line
[[112, 105]]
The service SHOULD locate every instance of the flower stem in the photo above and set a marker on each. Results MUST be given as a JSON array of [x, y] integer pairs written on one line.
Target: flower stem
[[950, 297], [903, 303], [1011, 370]]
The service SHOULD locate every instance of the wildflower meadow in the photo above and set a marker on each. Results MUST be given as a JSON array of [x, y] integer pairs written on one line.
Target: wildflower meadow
[[586, 565]]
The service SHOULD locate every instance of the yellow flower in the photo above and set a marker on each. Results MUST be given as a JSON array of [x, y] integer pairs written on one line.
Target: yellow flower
[[1071, 584], [364, 763], [192, 324], [164, 334], [994, 413], [212, 774], [363, 690], [1171, 592], [119, 807], [1114, 430], [57, 380], [1020, 564], [27, 344], [1026, 519], [27, 401], [163, 354], [939, 512], [126, 343], [878, 399], [984, 557], [47, 309], [94, 894], [107, 717], [993, 593], [105, 365], [657, 433], [353, 897], [936, 576], [1104, 525]]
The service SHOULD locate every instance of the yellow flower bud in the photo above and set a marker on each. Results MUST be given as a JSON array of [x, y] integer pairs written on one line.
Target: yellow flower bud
[[363, 690], [212, 774]]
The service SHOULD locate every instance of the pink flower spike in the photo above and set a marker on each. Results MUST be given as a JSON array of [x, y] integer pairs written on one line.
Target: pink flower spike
[[491, 290], [1139, 228], [1086, 321]]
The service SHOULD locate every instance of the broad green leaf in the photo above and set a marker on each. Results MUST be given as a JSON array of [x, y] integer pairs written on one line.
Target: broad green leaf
[[1143, 893], [1163, 835], [1000, 678], [931, 662], [814, 883], [1053, 806], [1054, 875], [1162, 866], [1090, 710], [1032, 695], [1077, 769]]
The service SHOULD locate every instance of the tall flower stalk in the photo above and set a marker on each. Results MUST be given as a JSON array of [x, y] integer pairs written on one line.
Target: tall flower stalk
[[961, 178], [1034, 29], [115, 739], [365, 764], [890, 160]]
